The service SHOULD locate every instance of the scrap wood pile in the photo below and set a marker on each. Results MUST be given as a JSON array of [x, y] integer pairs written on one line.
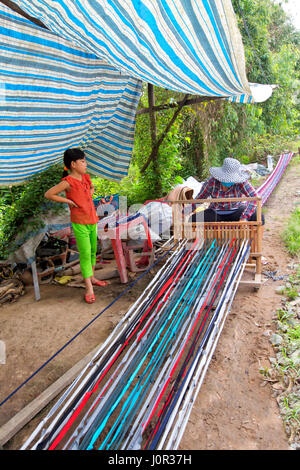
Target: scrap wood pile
[[11, 286]]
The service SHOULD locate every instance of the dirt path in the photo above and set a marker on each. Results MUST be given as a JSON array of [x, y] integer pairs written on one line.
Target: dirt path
[[233, 410]]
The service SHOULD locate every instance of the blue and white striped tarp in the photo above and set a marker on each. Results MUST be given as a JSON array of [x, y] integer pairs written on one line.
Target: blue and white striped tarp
[[79, 82], [55, 96]]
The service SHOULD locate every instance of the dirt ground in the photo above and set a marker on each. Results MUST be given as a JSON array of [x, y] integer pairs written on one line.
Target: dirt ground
[[233, 410]]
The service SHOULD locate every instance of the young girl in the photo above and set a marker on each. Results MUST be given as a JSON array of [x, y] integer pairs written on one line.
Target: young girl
[[79, 189]]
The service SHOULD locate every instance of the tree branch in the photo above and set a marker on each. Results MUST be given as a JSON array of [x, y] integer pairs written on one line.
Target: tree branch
[[13, 6], [162, 107], [164, 133]]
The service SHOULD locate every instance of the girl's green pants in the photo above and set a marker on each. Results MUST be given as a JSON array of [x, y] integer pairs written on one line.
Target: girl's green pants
[[86, 240]]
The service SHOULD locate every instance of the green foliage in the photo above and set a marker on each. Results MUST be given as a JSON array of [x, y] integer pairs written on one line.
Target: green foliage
[[286, 364], [272, 56], [163, 173], [21, 207], [291, 234]]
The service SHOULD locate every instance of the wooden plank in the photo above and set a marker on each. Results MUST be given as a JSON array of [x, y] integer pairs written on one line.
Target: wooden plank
[[15, 424], [255, 255], [209, 200], [35, 281], [250, 283]]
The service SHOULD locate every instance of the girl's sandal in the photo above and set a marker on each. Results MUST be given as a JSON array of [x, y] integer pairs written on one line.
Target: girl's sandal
[[89, 298], [99, 283]]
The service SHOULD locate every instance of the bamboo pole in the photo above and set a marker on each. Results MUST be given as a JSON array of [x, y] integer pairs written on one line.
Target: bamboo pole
[[259, 237]]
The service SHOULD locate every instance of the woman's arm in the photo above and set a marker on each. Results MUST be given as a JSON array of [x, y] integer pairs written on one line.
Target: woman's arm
[[206, 189], [249, 191], [53, 192]]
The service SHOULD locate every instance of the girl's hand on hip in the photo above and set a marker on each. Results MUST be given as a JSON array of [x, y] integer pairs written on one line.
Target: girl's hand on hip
[[71, 203]]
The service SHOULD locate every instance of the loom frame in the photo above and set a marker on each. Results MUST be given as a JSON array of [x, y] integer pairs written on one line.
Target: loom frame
[[253, 230]]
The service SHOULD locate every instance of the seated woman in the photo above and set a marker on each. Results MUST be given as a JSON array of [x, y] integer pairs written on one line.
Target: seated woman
[[227, 181]]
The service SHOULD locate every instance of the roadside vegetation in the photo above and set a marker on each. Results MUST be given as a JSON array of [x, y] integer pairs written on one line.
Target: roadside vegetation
[[291, 235], [284, 373]]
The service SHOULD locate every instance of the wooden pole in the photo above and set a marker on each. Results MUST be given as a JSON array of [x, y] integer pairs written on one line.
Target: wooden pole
[[259, 238], [153, 133], [35, 281], [189, 102]]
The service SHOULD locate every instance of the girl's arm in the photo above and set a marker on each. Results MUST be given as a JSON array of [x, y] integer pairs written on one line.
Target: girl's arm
[[53, 192]]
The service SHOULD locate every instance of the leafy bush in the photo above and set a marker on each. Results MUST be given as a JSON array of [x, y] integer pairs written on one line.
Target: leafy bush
[[22, 206], [291, 234]]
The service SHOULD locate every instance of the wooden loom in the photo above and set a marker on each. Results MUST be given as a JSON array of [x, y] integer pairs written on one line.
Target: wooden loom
[[224, 231]]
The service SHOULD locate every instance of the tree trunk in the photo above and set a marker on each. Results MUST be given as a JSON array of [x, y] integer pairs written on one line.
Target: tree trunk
[[159, 141], [153, 132]]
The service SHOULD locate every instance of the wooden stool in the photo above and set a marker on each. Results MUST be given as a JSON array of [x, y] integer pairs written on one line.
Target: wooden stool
[[119, 233], [130, 255]]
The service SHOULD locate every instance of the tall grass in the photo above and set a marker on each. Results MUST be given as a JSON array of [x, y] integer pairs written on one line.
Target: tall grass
[[291, 235]]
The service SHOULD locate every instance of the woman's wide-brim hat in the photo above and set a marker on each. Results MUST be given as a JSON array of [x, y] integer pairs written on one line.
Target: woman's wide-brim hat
[[232, 171]]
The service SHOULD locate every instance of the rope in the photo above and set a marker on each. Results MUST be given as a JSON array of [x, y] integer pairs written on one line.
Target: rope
[[172, 399], [160, 322], [123, 343]]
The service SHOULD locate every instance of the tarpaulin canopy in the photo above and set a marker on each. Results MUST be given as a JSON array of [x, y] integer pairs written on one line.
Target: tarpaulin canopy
[[79, 82], [57, 95]]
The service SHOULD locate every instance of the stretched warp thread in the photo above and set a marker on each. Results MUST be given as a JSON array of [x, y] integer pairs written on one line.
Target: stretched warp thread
[[266, 189], [88, 394], [171, 400], [195, 323]]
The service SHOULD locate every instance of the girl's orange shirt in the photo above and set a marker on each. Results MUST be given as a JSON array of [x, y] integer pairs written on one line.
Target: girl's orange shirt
[[80, 193]]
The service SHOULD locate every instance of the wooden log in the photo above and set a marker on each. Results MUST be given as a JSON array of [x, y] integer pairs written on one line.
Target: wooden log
[[250, 283]]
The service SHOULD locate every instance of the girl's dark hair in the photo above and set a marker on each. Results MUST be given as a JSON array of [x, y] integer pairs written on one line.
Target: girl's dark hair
[[71, 155]]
